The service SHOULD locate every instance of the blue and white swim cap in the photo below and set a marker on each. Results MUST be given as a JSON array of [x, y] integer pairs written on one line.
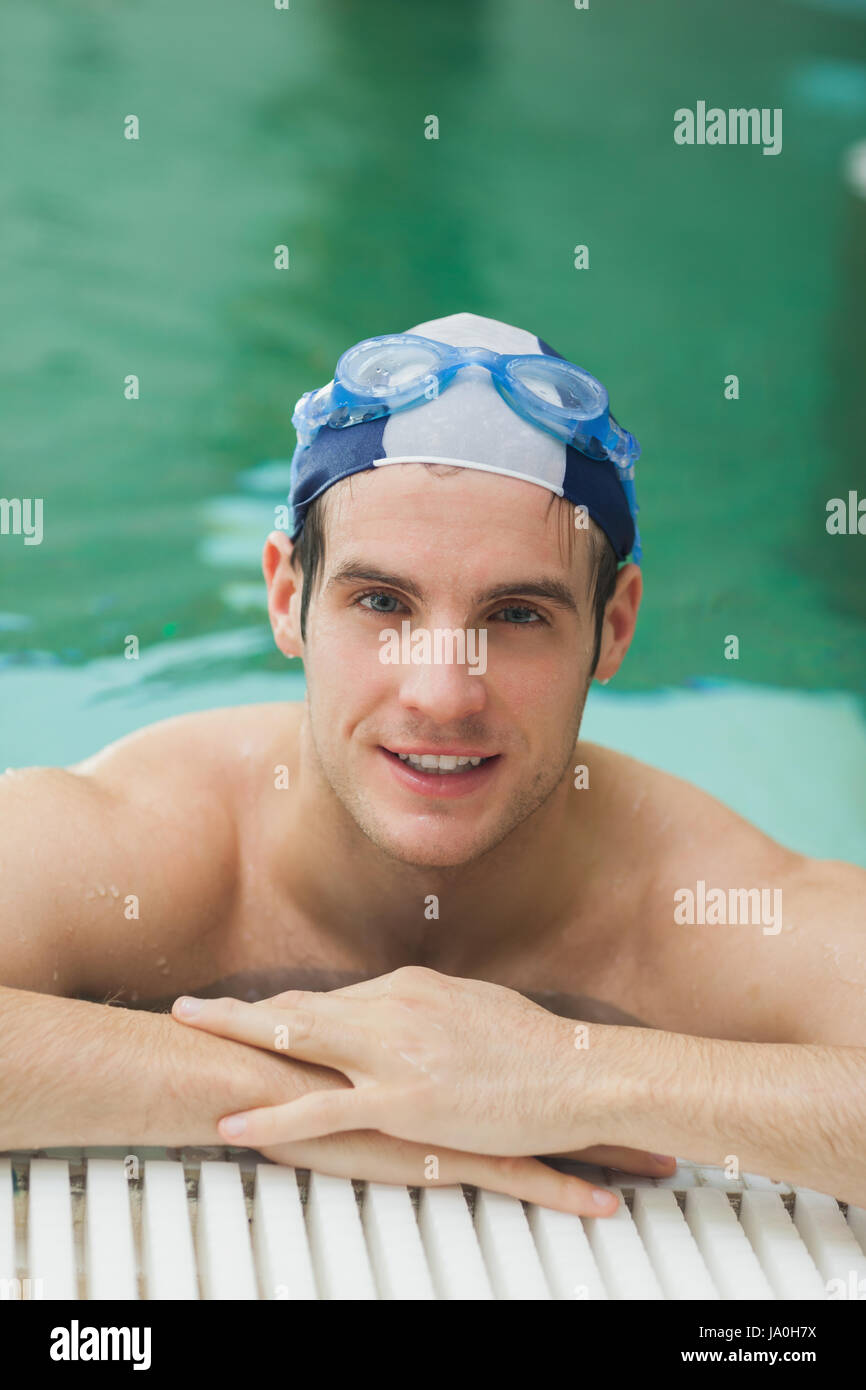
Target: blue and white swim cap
[[471, 425]]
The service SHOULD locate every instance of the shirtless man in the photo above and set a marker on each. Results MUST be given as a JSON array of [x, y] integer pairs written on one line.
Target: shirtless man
[[240, 853]]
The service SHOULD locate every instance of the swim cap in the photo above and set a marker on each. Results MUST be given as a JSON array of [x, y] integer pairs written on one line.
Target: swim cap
[[468, 424]]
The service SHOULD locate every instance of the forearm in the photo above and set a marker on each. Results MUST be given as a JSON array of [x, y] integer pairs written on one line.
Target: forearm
[[75, 1073], [786, 1110]]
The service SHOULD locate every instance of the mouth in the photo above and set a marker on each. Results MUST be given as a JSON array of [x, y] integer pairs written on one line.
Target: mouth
[[441, 774]]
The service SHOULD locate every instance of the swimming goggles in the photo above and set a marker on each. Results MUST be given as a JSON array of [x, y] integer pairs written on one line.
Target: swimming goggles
[[396, 371]]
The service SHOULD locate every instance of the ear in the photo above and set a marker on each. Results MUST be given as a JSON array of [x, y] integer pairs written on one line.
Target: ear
[[620, 618], [284, 593]]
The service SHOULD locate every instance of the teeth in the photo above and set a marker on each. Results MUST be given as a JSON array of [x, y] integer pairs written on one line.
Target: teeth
[[432, 762]]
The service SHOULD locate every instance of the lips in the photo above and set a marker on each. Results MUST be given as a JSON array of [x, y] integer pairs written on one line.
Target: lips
[[453, 773]]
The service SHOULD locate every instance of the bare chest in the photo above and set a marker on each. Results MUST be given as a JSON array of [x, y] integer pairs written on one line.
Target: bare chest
[[271, 945]]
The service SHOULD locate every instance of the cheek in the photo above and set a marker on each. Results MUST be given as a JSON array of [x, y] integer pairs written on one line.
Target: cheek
[[343, 668], [543, 687]]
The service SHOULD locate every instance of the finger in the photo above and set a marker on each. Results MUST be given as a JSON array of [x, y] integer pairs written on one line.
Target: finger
[[411, 978], [324, 1113], [368, 1156], [322, 1030], [362, 989], [532, 1181], [312, 1117], [366, 989], [624, 1160], [290, 998]]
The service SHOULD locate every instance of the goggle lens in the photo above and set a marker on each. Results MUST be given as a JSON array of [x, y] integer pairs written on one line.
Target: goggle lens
[[561, 386], [382, 369]]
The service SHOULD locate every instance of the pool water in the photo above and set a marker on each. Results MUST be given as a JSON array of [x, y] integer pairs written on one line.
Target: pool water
[[306, 128]]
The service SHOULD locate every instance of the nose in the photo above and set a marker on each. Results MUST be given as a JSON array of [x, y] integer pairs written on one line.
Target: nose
[[443, 692]]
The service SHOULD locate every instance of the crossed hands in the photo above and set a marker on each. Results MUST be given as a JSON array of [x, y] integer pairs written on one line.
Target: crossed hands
[[467, 1079]]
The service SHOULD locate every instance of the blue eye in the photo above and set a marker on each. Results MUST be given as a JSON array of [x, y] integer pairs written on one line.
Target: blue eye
[[527, 615], [377, 602]]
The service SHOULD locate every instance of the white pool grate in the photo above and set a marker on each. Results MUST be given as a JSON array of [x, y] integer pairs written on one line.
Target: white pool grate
[[223, 1224]]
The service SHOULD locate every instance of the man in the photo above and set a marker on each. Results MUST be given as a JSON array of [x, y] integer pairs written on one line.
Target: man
[[427, 852]]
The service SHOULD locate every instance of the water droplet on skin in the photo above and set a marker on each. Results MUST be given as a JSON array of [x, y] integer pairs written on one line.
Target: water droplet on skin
[[114, 890], [833, 949]]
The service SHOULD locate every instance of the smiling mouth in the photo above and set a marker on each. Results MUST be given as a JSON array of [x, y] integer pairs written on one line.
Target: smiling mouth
[[441, 764]]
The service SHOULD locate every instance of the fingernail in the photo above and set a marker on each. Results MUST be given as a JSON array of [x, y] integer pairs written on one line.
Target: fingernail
[[232, 1125], [188, 1006], [662, 1158], [602, 1198]]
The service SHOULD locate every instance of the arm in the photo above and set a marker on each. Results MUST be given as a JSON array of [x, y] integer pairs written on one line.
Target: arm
[[786, 1110], [76, 846], [475, 1065], [74, 1073], [794, 1107]]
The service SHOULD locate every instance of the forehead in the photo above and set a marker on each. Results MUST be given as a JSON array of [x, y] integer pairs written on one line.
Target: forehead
[[473, 521]]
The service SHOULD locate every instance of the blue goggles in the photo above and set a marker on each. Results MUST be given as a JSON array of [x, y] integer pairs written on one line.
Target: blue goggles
[[382, 376], [396, 371]]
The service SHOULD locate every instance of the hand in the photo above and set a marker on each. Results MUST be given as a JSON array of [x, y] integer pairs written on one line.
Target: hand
[[432, 1059], [372, 1157], [270, 1080]]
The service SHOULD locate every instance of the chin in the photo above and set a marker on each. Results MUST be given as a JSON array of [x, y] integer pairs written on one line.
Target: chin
[[424, 851]]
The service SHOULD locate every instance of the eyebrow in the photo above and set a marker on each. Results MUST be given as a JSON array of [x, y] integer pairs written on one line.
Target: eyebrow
[[550, 590]]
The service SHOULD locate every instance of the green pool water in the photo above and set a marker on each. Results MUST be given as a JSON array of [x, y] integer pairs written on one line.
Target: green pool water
[[306, 127]]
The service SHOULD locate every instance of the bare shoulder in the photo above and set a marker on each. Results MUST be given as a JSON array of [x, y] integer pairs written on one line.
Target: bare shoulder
[[665, 819], [108, 862], [743, 937], [201, 744], [824, 937], [683, 827]]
